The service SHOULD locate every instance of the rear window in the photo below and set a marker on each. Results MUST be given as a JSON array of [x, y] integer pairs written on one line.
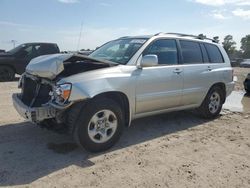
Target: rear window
[[191, 52], [214, 53]]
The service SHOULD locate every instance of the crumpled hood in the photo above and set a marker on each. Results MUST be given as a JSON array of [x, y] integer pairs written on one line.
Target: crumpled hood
[[47, 66]]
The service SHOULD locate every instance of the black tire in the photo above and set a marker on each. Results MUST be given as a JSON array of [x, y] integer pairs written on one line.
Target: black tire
[[205, 111], [6, 73], [82, 124]]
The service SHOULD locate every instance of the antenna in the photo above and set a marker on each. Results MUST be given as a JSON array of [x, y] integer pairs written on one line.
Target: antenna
[[80, 36]]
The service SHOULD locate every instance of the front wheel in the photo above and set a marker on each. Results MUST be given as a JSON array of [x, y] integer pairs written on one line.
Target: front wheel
[[99, 125], [212, 104]]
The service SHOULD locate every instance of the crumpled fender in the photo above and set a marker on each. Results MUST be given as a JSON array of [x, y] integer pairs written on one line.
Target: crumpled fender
[[89, 84]]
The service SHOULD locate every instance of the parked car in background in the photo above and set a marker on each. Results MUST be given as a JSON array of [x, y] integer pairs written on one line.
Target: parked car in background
[[2, 51], [247, 83], [245, 63], [85, 52], [95, 96], [236, 62], [14, 61]]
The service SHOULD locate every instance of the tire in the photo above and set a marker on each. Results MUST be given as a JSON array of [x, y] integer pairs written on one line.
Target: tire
[[99, 125], [6, 73], [212, 104]]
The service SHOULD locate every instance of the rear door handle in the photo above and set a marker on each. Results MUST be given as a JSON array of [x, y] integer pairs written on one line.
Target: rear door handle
[[209, 68], [177, 71]]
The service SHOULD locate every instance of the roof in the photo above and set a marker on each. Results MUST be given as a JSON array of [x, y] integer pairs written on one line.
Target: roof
[[40, 43], [176, 35]]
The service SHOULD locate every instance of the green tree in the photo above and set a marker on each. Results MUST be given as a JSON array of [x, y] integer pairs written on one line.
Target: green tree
[[245, 46], [229, 44]]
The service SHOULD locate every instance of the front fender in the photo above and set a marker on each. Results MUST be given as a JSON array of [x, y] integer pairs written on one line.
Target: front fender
[[85, 90]]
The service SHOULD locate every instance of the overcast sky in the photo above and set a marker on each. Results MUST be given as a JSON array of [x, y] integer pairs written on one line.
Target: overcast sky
[[60, 21]]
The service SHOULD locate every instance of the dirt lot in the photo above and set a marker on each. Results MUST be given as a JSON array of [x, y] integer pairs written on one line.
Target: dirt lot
[[170, 150]]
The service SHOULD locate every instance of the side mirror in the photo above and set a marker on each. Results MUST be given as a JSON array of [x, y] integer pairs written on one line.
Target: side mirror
[[149, 61]]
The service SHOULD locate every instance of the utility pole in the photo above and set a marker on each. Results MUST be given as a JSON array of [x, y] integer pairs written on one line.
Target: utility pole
[[14, 43]]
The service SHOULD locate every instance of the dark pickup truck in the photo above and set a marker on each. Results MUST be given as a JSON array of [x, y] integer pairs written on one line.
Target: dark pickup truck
[[14, 61]]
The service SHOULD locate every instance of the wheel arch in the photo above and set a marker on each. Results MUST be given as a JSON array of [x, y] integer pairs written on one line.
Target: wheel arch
[[120, 98], [222, 86]]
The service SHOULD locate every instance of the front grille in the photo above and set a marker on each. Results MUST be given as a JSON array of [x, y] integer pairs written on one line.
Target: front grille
[[34, 93]]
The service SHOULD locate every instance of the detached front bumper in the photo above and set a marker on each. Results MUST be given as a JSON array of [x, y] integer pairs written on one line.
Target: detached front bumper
[[35, 114]]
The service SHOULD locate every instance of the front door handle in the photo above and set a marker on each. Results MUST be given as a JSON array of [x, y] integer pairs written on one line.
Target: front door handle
[[177, 71]]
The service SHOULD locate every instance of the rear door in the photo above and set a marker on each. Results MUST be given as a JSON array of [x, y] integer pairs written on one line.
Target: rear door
[[160, 87], [197, 72]]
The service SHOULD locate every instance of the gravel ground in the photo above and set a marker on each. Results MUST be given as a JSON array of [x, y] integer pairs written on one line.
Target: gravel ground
[[170, 150]]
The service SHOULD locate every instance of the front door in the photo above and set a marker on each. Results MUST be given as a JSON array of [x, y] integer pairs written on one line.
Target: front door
[[160, 87]]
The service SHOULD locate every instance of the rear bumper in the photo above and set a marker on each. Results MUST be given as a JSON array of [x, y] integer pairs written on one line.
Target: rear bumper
[[229, 88], [36, 114]]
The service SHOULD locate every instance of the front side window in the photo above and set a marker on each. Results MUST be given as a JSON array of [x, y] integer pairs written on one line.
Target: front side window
[[119, 51], [191, 52], [165, 49], [214, 53]]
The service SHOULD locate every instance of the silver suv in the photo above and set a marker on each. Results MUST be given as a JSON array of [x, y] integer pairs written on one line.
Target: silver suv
[[94, 97]]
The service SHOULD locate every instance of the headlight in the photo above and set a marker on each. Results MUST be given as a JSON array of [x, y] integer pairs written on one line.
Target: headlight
[[62, 93]]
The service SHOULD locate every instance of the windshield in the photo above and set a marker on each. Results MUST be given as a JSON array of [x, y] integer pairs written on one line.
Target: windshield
[[16, 49], [119, 51]]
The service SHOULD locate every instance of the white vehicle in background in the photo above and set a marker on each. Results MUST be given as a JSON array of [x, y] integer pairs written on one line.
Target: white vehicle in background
[[245, 63], [95, 96]]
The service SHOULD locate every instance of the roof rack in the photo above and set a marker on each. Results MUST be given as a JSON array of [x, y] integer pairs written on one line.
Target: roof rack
[[201, 36], [123, 37], [160, 33]]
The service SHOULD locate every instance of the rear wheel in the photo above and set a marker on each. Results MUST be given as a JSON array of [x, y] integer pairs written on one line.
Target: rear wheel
[[99, 125], [6, 73], [212, 104]]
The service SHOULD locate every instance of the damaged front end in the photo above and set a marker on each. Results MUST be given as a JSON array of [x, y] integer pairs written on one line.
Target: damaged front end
[[41, 97], [34, 103]]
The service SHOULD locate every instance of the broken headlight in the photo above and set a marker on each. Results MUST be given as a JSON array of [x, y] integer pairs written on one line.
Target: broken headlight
[[62, 93]]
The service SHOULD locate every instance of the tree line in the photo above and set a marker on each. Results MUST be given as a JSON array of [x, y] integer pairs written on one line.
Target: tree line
[[230, 46]]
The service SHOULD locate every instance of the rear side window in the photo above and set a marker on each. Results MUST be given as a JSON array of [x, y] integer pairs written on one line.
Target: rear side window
[[214, 53], [204, 53], [191, 52], [47, 49]]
